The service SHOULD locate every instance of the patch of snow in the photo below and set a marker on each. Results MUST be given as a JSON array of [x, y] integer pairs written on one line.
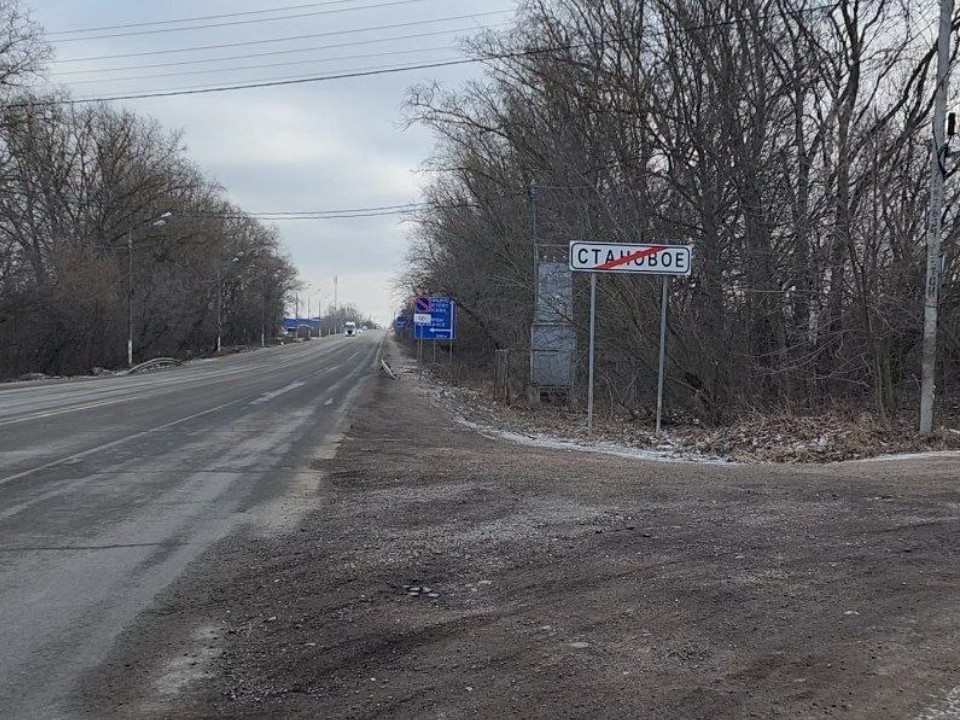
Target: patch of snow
[[949, 709], [928, 455], [542, 440]]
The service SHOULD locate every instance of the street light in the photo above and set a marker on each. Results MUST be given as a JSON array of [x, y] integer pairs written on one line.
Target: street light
[[155, 223], [234, 259]]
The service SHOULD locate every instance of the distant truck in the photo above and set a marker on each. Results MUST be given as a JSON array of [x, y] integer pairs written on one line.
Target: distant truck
[[350, 328]]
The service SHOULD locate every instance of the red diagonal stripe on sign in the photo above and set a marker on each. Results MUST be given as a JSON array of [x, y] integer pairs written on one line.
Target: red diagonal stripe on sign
[[639, 255]]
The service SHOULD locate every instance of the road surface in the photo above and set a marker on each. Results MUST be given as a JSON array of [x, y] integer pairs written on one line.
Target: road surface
[[110, 487]]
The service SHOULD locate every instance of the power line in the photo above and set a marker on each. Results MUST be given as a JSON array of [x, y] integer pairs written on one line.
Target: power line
[[317, 61], [200, 18], [296, 78], [369, 72], [235, 23], [275, 53], [341, 214], [248, 43], [356, 216], [381, 208]]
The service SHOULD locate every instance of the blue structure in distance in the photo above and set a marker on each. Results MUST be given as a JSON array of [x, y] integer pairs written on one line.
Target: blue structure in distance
[[443, 321], [291, 325]]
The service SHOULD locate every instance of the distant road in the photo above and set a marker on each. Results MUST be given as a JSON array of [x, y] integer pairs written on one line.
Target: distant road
[[109, 487]]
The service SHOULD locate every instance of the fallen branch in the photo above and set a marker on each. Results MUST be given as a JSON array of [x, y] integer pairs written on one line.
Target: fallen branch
[[386, 369]]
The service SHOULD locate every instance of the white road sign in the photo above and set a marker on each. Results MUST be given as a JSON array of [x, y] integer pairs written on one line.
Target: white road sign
[[422, 318], [621, 258]]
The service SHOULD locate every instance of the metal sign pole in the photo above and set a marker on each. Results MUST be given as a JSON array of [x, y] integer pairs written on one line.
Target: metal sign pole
[[664, 300], [593, 335]]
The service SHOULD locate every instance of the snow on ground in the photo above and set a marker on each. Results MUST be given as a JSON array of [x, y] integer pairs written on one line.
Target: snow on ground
[[828, 438], [664, 453]]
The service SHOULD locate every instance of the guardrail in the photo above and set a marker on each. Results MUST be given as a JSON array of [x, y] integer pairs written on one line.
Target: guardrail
[[154, 364]]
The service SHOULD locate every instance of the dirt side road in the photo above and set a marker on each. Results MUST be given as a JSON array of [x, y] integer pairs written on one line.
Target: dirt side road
[[553, 585]]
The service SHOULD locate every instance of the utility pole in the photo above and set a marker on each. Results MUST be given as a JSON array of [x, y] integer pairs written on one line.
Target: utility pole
[[263, 313], [219, 306], [130, 299], [934, 259], [336, 319], [158, 222]]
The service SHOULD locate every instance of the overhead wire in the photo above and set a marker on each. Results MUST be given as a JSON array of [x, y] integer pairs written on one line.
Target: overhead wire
[[339, 214], [363, 73], [288, 38], [201, 18], [236, 23], [367, 72], [264, 66], [275, 53]]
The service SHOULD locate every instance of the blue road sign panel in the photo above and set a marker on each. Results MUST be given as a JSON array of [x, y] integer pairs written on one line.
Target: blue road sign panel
[[401, 322], [442, 324], [291, 325]]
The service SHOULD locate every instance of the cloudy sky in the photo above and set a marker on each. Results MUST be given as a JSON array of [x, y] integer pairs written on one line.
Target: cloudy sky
[[329, 145]]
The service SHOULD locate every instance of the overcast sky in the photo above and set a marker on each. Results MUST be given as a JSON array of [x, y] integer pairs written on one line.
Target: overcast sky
[[329, 145]]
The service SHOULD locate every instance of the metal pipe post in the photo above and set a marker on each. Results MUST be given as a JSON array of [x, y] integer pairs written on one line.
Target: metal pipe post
[[532, 195], [593, 341], [664, 302]]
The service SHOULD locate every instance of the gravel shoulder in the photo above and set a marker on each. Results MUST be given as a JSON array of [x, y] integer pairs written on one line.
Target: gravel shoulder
[[440, 573]]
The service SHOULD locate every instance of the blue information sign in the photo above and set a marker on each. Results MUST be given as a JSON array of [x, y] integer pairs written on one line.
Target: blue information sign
[[401, 322], [442, 323]]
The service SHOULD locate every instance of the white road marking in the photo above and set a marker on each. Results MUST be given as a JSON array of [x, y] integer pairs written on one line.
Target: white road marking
[[138, 386], [98, 448], [329, 402], [64, 411], [267, 397], [91, 451]]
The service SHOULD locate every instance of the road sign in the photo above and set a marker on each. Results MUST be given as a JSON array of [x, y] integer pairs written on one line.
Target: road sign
[[601, 257], [422, 318], [623, 258], [422, 304], [441, 321], [401, 322]]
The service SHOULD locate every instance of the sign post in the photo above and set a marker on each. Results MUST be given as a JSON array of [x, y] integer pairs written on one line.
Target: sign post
[[600, 257], [661, 369], [434, 318], [593, 341], [421, 317]]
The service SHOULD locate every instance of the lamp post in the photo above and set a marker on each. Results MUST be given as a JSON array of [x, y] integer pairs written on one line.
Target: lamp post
[[157, 222], [263, 314], [234, 259], [317, 294], [264, 277]]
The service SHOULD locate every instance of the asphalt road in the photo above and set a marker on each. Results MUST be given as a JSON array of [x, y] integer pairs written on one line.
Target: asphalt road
[[110, 487]]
